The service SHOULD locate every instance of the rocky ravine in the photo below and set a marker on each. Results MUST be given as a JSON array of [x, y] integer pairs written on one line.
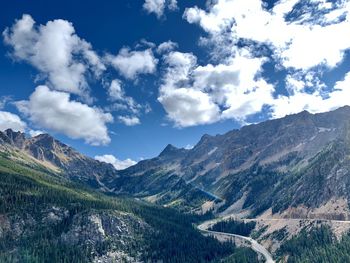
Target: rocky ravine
[[86, 230]]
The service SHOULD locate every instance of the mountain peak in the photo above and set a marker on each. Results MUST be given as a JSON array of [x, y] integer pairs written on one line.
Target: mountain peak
[[44, 136], [47, 141], [16, 138], [11, 133], [205, 138], [169, 150], [345, 108]]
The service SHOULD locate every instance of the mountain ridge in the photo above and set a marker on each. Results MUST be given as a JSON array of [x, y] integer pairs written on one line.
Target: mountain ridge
[[220, 169], [293, 167], [228, 165], [60, 157]]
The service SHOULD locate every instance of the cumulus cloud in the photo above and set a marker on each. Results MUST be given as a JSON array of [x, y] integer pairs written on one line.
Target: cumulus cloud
[[184, 105], [158, 6], [301, 41], [115, 91], [189, 147], [166, 47], [130, 64], [34, 133], [120, 101], [118, 164], [12, 121], [192, 94], [4, 100], [304, 38], [62, 58], [313, 102], [129, 120], [54, 110], [189, 107]]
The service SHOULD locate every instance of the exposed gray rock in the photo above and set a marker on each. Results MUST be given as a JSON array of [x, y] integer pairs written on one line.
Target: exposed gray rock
[[263, 160]]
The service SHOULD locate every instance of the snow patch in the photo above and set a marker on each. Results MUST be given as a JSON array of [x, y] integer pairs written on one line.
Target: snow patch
[[322, 129], [212, 151]]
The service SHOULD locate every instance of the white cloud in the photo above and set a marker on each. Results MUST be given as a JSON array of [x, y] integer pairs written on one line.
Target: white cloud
[[12, 121], [166, 47], [236, 86], [172, 4], [158, 6], [115, 91], [34, 133], [129, 120], [4, 100], [193, 94], [189, 147], [302, 43], [130, 64], [189, 107], [313, 102], [183, 104], [121, 102], [56, 51], [55, 111], [118, 164]]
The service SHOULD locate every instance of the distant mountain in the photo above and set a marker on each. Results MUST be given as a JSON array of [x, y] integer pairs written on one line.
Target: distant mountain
[[51, 195], [72, 165], [291, 165], [60, 157], [301, 160]]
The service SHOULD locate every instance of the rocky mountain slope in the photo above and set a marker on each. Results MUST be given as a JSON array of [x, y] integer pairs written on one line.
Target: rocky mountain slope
[[296, 161], [59, 157], [51, 195], [287, 165], [72, 165], [46, 217]]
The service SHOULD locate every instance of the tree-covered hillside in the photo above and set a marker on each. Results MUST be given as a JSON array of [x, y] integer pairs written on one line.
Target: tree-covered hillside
[[234, 227], [46, 218], [316, 246]]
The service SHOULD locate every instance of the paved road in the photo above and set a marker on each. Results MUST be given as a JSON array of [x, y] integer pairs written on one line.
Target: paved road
[[297, 219], [253, 243]]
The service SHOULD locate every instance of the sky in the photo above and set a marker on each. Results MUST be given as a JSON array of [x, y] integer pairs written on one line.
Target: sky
[[119, 80]]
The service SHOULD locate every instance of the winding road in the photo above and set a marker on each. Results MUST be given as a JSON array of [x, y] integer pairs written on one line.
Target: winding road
[[253, 243]]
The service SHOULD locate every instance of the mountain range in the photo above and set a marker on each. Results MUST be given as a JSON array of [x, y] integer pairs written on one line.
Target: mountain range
[[54, 208], [294, 167], [297, 160], [301, 160]]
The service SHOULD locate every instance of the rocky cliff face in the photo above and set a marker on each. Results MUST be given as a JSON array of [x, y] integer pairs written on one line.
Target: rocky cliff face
[[117, 233], [300, 159], [59, 156]]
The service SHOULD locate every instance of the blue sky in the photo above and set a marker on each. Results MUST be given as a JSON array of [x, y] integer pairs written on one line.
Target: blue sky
[[122, 79]]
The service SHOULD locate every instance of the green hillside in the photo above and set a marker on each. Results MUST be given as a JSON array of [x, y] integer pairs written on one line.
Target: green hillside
[[39, 210]]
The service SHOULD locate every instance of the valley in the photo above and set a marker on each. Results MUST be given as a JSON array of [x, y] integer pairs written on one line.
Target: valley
[[289, 176]]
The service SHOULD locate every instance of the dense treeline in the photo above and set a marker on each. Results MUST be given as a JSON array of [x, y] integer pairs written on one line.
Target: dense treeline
[[242, 255], [234, 227], [316, 246], [25, 192]]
